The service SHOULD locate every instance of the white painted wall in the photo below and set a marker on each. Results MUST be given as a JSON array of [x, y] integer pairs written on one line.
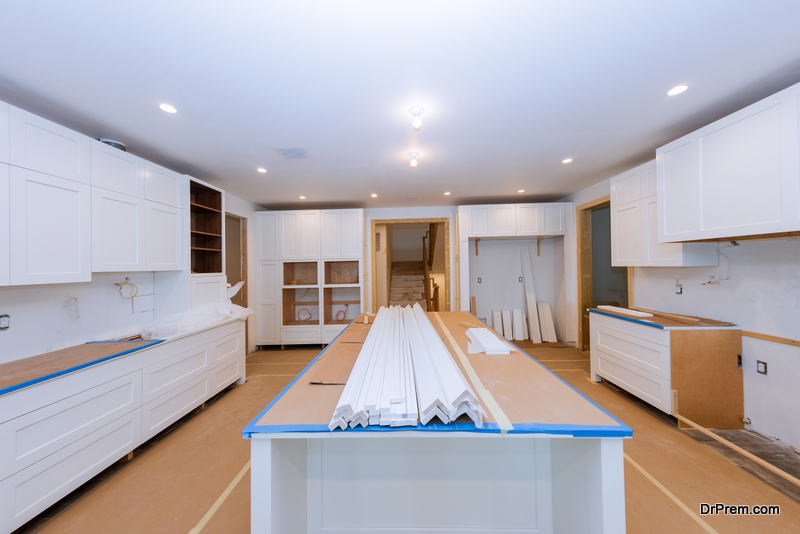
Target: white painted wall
[[763, 296], [411, 213], [407, 243], [499, 266], [41, 322]]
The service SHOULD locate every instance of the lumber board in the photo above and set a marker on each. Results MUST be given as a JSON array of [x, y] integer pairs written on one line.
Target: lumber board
[[525, 326], [774, 339], [497, 321], [530, 296], [517, 323], [507, 327], [546, 320], [674, 316], [334, 366]]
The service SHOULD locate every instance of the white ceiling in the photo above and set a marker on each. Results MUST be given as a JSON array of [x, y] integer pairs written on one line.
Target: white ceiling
[[509, 88]]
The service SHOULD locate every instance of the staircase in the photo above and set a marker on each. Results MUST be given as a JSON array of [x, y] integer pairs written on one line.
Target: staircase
[[407, 284]]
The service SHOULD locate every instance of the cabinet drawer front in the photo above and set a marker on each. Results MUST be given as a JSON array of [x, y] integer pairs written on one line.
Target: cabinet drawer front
[[163, 377], [640, 353], [236, 327], [228, 348], [170, 348], [165, 410], [647, 386], [225, 375], [647, 333], [35, 435], [306, 334], [32, 490], [32, 398]]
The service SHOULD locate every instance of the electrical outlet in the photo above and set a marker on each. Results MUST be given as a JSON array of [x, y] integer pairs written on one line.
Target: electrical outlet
[[479, 280], [5, 321], [520, 279], [761, 367]]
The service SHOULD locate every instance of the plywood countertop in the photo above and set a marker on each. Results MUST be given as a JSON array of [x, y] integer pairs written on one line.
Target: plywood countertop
[[532, 398], [29, 371], [666, 323]]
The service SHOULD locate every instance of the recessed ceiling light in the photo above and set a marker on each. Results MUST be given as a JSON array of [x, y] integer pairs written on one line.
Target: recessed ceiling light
[[568, 160], [374, 195], [302, 198], [677, 90], [262, 170], [521, 191], [447, 193], [167, 108]]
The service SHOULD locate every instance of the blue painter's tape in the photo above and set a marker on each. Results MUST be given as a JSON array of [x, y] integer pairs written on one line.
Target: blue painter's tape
[[630, 319], [250, 428], [78, 367]]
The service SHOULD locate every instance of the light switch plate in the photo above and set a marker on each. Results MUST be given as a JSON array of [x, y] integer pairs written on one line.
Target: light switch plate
[[5, 321], [761, 367]]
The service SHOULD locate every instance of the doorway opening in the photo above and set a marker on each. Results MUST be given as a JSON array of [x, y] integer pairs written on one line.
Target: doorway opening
[[411, 263], [598, 282]]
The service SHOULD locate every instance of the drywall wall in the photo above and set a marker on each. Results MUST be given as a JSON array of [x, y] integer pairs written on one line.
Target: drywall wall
[[430, 212], [41, 320], [761, 294], [498, 266], [407, 242], [609, 284]]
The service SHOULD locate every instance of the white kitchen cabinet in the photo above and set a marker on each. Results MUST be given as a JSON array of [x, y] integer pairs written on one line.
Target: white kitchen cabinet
[[504, 220], [206, 289], [634, 228], [552, 219], [267, 235], [268, 285], [40, 145], [118, 232], [352, 234], [480, 221], [4, 132], [163, 185], [164, 237], [528, 216], [289, 235], [49, 229], [116, 170], [5, 229], [342, 234], [309, 236], [331, 233], [735, 177]]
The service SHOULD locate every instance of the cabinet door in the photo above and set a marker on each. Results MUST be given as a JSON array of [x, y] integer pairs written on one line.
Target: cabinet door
[[4, 133], [267, 235], [309, 235], [678, 192], [164, 243], [528, 219], [504, 220], [655, 253], [649, 179], [331, 234], [480, 221], [163, 185], [47, 147], [552, 219], [290, 234], [116, 170], [5, 230], [268, 284], [50, 229], [352, 234], [205, 290], [626, 187], [626, 234], [118, 232]]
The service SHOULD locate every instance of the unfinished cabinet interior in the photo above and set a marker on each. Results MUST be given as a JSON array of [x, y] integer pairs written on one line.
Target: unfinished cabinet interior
[[693, 371], [206, 228]]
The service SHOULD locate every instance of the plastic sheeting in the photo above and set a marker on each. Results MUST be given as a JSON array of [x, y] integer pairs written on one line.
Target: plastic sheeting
[[197, 319]]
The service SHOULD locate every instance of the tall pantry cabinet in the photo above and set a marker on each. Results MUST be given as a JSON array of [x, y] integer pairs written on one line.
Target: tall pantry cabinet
[[308, 275]]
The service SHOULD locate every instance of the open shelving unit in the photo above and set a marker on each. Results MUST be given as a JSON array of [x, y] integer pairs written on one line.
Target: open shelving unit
[[341, 305], [206, 229], [341, 273], [301, 306]]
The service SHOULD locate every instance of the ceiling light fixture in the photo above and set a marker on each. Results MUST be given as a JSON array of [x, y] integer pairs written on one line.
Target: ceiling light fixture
[[568, 160], [302, 197], [447, 193], [167, 108], [374, 195], [416, 111], [521, 191], [413, 159], [262, 170], [677, 90]]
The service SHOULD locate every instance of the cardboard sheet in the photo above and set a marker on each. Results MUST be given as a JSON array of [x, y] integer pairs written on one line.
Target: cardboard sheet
[[355, 333], [664, 322], [334, 366]]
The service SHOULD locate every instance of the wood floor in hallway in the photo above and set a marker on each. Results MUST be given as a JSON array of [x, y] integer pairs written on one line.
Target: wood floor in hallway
[[186, 479]]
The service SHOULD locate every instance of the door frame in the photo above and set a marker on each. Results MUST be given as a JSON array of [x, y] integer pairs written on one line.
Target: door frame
[[376, 222], [583, 240], [243, 246]]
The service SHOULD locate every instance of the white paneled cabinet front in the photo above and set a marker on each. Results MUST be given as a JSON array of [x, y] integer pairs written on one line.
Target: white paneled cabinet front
[[163, 185], [552, 219], [309, 235], [342, 234], [116, 170], [352, 234], [163, 239], [528, 216], [289, 235], [4, 132], [5, 229], [480, 221], [118, 232], [269, 314], [40, 145], [626, 234], [504, 221], [49, 229], [331, 234], [735, 177], [267, 235]]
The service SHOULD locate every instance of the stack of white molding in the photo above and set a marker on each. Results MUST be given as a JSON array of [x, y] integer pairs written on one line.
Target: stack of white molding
[[404, 375], [483, 341]]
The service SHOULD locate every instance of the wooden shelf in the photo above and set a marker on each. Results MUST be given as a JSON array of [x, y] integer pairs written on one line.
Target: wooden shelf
[[343, 302], [312, 322], [205, 229], [201, 206], [209, 249], [206, 233], [335, 322]]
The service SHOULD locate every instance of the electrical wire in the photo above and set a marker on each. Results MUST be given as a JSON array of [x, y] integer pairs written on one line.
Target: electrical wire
[[298, 318], [343, 312], [127, 282]]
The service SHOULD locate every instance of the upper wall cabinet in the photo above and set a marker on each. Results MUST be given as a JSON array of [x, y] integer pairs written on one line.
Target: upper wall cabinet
[[44, 146], [163, 185], [4, 131], [511, 220], [163, 237], [267, 235], [116, 170], [634, 229], [342, 234], [300, 235], [735, 177], [49, 228], [5, 230], [118, 232]]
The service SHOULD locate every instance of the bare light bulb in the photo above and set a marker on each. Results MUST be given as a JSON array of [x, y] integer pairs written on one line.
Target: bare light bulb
[[417, 122], [413, 159], [413, 163], [168, 108]]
